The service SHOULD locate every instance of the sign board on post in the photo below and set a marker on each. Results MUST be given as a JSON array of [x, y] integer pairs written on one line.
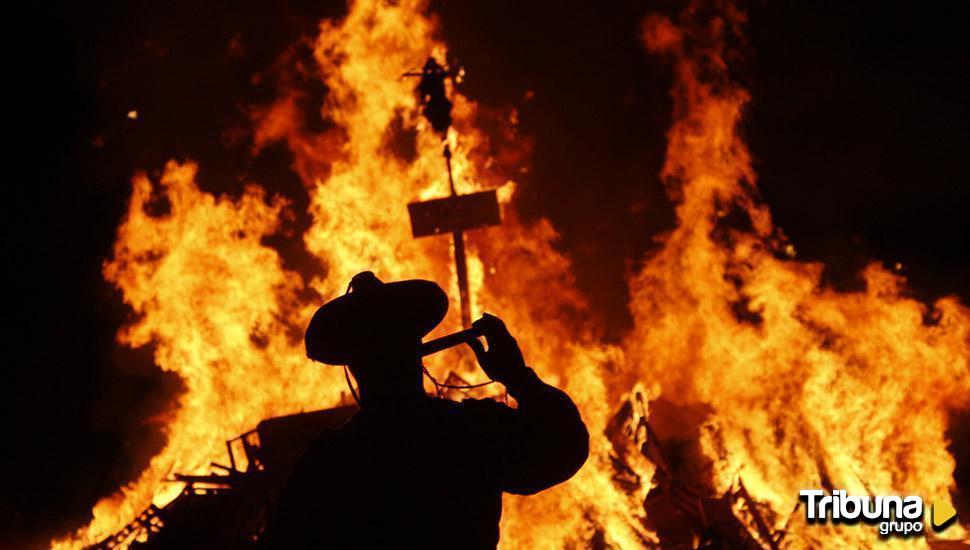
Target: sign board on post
[[455, 213]]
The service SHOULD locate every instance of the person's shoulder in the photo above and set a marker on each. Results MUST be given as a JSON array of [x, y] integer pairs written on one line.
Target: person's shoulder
[[315, 447], [321, 447]]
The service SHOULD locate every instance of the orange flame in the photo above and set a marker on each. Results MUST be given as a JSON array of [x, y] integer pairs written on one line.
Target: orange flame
[[800, 383], [803, 383]]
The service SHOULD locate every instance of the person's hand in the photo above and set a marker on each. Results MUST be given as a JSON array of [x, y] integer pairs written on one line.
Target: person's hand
[[503, 361]]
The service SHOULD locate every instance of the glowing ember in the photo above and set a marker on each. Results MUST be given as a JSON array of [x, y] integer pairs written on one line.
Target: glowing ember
[[800, 386]]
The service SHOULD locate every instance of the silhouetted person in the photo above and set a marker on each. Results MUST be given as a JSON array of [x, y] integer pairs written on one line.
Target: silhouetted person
[[410, 470]]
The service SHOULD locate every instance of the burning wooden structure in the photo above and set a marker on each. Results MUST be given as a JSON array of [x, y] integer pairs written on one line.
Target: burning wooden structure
[[229, 508]]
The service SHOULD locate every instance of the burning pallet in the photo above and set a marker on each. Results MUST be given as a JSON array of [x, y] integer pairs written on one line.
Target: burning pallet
[[230, 506], [681, 509]]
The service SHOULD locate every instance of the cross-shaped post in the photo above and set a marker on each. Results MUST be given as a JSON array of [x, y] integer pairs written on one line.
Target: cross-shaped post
[[456, 214]]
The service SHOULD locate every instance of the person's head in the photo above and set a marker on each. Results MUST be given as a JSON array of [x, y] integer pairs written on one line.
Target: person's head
[[388, 368], [376, 330]]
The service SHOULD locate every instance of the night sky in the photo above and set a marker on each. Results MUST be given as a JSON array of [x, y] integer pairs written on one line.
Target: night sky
[[859, 128]]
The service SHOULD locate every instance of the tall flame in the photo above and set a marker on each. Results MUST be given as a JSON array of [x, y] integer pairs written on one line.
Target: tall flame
[[800, 385], [806, 387]]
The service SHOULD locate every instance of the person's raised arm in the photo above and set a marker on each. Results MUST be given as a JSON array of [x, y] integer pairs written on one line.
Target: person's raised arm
[[544, 441]]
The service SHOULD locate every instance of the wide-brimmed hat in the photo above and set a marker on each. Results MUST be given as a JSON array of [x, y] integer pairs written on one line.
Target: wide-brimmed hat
[[373, 312]]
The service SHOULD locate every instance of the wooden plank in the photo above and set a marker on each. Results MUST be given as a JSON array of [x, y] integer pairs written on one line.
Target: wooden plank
[[451, 214]]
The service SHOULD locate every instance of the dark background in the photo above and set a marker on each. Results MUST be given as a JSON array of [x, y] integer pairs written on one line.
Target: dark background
[[859, 128]]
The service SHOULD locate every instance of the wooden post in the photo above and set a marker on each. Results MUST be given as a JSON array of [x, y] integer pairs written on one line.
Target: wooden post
[[461, 265]]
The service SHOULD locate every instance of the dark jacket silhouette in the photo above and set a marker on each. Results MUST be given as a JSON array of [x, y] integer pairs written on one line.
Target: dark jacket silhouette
[[412, 471]]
